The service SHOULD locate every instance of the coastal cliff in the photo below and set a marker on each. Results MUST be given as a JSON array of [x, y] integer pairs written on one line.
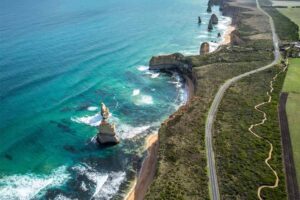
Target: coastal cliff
[[174, 61], [204, 48]]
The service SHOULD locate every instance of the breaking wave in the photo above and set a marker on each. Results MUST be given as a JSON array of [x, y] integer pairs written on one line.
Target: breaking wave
[[135, 92], [92, 108], [154, 75], [143, 100], [28, 186], [104, 185], [92, 120], [124, 131], [143, 68]]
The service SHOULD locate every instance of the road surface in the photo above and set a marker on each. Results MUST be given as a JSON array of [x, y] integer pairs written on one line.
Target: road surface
[[213, 180]]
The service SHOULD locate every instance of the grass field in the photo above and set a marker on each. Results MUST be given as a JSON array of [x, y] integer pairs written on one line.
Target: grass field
[[292, 13], [286, 3], [292, 81], [292, 85], [286, 29], [293, 112]]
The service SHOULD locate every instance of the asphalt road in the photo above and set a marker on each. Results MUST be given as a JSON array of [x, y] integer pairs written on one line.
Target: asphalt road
[[213, 180]]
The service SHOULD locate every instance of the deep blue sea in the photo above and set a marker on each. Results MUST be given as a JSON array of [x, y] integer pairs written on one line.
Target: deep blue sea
[[58, 61]]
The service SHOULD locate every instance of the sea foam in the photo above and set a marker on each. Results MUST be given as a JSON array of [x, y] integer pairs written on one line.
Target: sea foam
[[92, 120], [143, 100], [28, 186], [124, 131], [154, 75], [92, 108], [142, 68], [135, 92], [104, 185]]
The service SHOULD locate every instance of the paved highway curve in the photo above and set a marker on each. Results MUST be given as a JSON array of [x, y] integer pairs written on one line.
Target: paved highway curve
[[213, 180]]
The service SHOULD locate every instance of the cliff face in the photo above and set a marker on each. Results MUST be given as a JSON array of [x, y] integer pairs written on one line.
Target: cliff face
[[235, 38], [174, 61], [231, 11], [204, 48]]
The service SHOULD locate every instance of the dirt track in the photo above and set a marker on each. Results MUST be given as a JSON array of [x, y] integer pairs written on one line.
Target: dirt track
[[291, 179]]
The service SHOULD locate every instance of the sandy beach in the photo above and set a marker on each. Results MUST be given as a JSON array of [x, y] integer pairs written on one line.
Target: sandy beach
[[147, 172], [226, 39]]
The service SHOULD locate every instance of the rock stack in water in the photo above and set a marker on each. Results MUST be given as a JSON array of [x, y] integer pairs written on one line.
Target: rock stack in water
[[214, 19], [199, 20], [107, 133], [209, 8], [210, 26]]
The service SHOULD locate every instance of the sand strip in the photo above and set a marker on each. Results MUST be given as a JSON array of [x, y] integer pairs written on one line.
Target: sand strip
[[147, 172], [227, 38]]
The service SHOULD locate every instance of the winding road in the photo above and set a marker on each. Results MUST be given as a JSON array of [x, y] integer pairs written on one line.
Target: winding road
[[213, 180]]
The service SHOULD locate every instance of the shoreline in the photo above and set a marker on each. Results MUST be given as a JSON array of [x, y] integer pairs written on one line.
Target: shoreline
[[226, 38], [189, 88], [141, 184], [147, 171]]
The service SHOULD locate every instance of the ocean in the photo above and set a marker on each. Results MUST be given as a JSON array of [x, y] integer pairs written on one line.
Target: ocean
[[59, 60]]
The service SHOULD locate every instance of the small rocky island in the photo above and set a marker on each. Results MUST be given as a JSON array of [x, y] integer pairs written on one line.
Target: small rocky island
[[107, 133]]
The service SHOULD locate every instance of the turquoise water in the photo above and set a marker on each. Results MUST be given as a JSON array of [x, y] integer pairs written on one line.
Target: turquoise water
[[58, 61]]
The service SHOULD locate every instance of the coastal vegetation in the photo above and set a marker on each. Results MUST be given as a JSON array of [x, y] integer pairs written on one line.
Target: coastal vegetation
[[286, 29], [293, 113], [292, 13], [240, 155], [292, 81], [182, 172], [292, 86]]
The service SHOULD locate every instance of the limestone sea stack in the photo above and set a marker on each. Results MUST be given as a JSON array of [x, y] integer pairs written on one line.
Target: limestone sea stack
[[199, 20], [107, 132], [210, 26], [221, 5], [214, 2], [209, 9], [204, 48], [214, 19]]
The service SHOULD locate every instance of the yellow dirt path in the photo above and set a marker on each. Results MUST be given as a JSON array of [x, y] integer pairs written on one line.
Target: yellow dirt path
[[258, 136]]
